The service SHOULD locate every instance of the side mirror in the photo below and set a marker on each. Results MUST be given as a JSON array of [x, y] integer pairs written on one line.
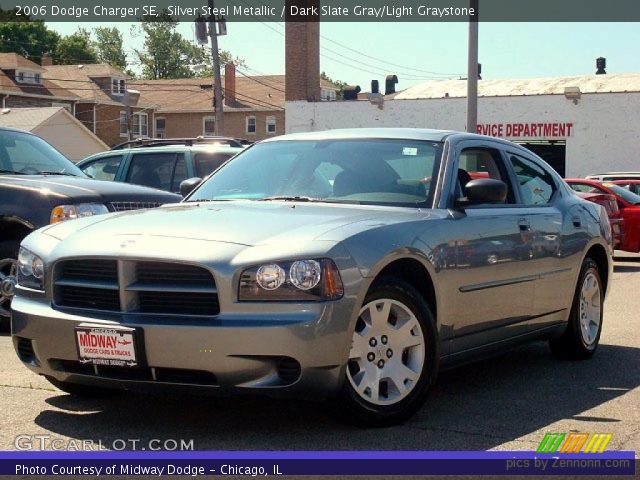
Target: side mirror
[[484, 190], [187, 186]]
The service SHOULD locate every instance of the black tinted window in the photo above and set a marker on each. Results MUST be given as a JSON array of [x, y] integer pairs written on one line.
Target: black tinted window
[[206, 163], [157, 170]]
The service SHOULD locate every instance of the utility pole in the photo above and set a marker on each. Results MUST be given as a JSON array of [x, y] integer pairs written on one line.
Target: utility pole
[[217, 82], [472, 70]]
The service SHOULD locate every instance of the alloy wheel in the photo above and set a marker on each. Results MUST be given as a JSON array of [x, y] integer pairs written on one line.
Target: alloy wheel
[[590, 309], [8, 276]]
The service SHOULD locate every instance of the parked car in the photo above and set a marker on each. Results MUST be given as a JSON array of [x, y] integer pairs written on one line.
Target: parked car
[[628, 203], [39, 186], [162, 166], [610, 176], [631, 185], [610, 204], [321, 265]]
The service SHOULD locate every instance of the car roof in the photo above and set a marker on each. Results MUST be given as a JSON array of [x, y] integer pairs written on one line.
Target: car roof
[[168, 148], [11, 129], [355, 133]]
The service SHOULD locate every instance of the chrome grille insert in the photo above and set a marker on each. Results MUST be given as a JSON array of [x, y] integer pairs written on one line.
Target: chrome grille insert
[[124, 206], [146, 287]]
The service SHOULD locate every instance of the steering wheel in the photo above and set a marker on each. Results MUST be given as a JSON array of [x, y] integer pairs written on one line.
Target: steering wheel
[[31, 170]]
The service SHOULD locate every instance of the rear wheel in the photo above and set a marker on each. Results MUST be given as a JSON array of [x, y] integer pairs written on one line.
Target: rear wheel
[[393, 359], [8, 277], [580, 339]]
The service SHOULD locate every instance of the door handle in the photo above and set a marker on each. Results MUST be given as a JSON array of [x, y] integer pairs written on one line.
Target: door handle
[[524, 225], [577, 222]]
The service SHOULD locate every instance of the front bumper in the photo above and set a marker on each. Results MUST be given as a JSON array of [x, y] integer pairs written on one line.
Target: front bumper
[[299, 352]]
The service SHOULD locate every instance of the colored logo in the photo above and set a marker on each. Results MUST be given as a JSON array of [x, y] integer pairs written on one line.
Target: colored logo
[[574, 442]]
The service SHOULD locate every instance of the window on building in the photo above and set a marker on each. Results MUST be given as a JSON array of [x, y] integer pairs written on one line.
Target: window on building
[[118, 86], [209, 126], [124, 127], [271, 125], [161, 124], [140, 125], [28, 77], [251, 125]]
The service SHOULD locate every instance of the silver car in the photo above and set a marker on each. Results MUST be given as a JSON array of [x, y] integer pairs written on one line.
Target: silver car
[[350, 265]]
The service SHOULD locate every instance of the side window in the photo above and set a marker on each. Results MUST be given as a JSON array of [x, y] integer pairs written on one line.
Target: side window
[[179, 174], [536, 184], [205, 163], [475, 163], [104, 168], [157, 170]]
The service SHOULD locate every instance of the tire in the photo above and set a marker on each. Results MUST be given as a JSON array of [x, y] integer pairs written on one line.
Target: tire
[[80, 390], [580, 340], [403, 344], [8, 254]]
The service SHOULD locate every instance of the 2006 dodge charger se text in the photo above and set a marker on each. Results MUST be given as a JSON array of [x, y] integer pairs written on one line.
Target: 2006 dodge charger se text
[[350, 265]]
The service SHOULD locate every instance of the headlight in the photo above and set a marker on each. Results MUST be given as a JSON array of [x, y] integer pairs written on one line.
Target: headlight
[[30, 270], [297, 280], [70, 212]]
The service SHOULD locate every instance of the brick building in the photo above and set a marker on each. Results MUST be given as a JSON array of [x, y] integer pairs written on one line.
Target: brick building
[[253, 105], [23, 84]]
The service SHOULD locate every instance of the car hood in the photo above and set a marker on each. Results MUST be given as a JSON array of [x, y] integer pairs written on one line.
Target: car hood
[[244, 223], [87, 189]]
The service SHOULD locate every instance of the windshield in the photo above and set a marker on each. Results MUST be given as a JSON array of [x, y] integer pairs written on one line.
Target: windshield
[[28, 154], [364, 171], [624, 193]]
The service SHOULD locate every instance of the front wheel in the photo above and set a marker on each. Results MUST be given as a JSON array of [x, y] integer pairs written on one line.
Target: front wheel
[[8, 278], [393, 358], [580, 339]]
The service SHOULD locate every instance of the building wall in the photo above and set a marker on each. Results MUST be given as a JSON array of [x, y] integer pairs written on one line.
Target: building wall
[[191, 124], [29, 102], [108, 122], [604, 134], [74, 140]]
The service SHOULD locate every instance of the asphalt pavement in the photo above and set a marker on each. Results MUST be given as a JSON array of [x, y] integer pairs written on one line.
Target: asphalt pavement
[[503, 403]]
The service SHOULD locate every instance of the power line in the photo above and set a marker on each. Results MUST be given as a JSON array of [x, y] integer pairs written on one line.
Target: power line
[[259, 81]]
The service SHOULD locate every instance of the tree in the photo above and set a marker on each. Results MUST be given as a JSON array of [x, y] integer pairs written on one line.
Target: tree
[[166, 53], [75, 49], [108, 46], [225, 57], [29, 38], [338, 83]]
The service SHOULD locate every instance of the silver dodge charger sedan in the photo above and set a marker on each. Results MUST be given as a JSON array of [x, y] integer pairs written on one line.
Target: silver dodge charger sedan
[[349, 265]]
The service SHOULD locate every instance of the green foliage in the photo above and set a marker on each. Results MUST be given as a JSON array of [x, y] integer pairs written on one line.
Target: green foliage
[[166, 53], [338, 83], [109, 47], [29, 38], [75, 49]]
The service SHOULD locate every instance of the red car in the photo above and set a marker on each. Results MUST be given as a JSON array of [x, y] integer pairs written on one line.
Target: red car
[[610, 204], [628, 203], [631, 185]]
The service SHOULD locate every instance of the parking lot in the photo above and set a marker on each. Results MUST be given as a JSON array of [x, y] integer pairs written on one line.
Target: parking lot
[[506, 402]]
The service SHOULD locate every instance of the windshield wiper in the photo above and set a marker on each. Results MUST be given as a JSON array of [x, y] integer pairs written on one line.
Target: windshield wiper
[[14, 172], [67, 174], [286, 198]]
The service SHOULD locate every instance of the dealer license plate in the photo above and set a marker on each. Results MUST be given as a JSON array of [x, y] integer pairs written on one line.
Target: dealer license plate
[[106, 346]]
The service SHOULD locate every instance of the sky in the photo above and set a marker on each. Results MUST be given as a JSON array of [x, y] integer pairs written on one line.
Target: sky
[[356, 53]]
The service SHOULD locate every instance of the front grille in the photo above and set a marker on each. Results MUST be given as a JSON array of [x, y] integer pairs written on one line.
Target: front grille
[[94, 298], [124, 206], [164, 375], [142, 287]]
